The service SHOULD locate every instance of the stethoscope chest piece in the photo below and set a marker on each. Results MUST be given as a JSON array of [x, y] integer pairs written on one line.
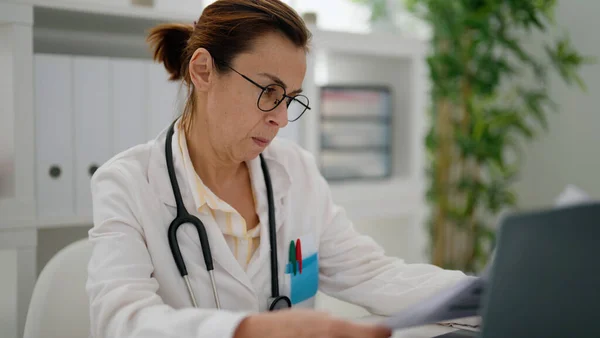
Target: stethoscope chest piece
[[279, 303]]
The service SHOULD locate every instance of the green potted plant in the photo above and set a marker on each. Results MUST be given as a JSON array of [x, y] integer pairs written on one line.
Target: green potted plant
[[488, 95], [383, 13]]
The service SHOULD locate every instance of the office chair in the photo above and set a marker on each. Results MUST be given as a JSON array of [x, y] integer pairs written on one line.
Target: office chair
[[59, 303]]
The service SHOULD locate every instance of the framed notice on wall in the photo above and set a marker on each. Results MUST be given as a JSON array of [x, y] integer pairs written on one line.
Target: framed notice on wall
[[356, 132]]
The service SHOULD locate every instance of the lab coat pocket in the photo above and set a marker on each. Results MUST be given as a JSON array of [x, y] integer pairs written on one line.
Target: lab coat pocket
[[304, 281]]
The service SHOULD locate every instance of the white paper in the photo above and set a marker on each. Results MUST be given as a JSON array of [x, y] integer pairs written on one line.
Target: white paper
[[571, 195], [468, 324], [460, 301]]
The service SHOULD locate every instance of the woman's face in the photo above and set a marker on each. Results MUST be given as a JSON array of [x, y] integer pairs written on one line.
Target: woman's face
[[237, 129]]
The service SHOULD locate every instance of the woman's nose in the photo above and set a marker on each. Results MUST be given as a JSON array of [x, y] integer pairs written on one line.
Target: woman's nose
[[279, 116]]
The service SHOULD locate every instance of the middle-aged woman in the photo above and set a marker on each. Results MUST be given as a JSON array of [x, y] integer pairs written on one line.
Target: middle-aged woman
[[259, 228]]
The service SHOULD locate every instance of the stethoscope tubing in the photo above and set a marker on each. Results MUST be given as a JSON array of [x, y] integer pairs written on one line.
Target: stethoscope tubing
[[183, 216]]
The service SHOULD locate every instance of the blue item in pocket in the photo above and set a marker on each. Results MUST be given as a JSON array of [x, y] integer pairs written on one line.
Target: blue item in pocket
[[305, 284]]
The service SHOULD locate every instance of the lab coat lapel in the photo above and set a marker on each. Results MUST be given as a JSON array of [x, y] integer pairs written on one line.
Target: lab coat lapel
[[159, 180], [281, 182], [158, 177]]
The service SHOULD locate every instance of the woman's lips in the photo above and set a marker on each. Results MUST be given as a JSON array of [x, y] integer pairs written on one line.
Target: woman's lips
[[261, 141]]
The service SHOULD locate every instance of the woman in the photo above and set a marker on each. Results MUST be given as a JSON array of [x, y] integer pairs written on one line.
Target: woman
[[274, 234]]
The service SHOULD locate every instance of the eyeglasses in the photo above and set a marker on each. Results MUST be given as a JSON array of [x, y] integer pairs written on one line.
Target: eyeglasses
[[272, 95]]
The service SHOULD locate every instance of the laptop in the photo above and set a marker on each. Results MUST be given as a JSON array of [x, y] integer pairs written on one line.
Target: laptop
[[545, 277]]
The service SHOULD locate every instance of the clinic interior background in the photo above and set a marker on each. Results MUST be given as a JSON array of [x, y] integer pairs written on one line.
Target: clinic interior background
[[349, 51]]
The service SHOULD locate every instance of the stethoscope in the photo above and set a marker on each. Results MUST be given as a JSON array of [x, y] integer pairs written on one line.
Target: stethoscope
[[277, 301]]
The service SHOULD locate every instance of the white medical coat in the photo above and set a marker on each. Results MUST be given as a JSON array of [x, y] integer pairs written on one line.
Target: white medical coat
[[135, 289]]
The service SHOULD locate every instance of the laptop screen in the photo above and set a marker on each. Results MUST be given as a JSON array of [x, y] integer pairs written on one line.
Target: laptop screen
[[545, 279]]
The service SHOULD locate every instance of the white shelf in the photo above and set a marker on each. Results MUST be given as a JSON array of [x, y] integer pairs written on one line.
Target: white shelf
[[112, 30], [125, 11], [85, 24], [107, 29], [372, 44], [74, 15], [93, 28], [56, 41]]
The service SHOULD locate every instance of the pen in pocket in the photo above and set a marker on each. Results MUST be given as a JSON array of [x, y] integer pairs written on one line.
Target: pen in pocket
[[292, 258], [299, 255]]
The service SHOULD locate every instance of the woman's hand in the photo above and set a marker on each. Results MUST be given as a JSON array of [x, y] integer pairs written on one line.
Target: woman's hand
[[305, 323]]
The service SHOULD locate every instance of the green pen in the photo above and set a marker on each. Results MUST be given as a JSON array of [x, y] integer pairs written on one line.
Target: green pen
[[292, 256]]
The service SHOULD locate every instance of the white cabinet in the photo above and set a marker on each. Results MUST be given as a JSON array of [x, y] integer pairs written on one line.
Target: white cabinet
[[54, 136], [93, 130], [116, 103]]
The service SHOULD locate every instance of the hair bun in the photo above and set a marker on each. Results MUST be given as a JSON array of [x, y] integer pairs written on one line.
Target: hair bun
[[168, 43]]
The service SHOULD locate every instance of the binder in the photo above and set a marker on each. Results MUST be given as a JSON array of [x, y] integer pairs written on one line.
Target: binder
[[356, 132], [128, 86], [54, 136], [163, 100], [93, 125]]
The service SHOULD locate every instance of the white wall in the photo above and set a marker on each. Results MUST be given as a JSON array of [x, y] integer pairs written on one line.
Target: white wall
[[569, 152]]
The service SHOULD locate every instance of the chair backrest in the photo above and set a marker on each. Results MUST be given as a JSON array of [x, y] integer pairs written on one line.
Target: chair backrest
[[59, 303]]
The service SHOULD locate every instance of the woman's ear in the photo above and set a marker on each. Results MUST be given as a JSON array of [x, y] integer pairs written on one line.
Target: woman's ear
[[201, 69]]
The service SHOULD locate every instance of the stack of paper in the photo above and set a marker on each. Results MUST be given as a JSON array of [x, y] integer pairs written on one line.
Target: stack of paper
[[461, 301]]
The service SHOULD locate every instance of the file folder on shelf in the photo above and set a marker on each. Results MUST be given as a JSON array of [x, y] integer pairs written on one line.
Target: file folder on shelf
[[356, 132]]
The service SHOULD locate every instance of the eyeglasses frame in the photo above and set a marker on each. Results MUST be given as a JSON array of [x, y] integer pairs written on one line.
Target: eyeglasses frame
[[285, 96]]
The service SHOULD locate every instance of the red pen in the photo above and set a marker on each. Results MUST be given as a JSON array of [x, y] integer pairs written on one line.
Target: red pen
[[299, 254]]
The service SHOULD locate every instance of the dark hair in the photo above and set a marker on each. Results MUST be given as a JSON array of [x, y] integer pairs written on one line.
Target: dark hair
[[225, 29]]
